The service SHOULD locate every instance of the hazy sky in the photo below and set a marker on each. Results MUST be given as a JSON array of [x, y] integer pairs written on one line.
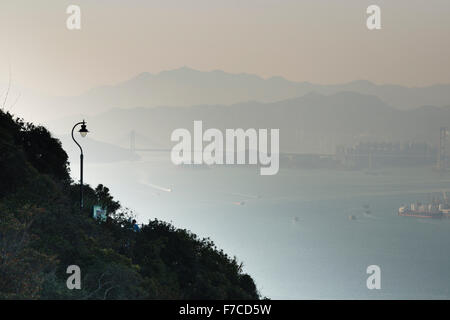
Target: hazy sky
[[304, 40]]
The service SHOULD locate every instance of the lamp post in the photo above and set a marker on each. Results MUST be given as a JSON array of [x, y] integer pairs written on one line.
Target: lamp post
[[83, 132]]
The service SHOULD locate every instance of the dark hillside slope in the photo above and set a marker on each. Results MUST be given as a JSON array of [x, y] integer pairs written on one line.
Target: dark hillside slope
[[43, 231]]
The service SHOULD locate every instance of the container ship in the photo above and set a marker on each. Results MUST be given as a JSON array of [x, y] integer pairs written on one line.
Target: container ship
[[438, 208]]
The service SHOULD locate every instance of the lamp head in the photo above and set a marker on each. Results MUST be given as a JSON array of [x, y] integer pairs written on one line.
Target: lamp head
[[83, 131]]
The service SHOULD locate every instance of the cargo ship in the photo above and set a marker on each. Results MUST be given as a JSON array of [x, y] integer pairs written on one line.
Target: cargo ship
[[438, 208]]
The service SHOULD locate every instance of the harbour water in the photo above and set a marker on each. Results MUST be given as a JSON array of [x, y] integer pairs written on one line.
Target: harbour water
[[292, 231]]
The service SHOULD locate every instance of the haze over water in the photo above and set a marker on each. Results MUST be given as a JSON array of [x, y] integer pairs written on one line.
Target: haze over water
[[292, 231], [339, 93]]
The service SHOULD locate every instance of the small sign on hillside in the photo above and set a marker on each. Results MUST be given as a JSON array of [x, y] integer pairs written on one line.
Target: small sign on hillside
[[99, 213]]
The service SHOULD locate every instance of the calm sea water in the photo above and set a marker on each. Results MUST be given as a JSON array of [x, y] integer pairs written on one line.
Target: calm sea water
[[292, 230]]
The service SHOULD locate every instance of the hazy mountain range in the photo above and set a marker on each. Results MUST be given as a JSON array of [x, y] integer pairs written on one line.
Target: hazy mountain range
[[187, 87], [311, 118], [314, 123]]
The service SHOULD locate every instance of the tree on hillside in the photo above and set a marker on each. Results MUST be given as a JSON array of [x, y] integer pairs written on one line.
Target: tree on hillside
[[43, 231]]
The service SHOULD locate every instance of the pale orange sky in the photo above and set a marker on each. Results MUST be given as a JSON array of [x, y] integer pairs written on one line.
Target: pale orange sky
[[304, 40]]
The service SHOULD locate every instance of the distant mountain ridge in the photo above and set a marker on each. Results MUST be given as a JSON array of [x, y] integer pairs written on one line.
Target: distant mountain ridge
[[313, 123], [186, 87]]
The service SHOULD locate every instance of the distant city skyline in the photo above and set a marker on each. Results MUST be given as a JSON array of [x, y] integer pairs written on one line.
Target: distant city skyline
[[322, 42]]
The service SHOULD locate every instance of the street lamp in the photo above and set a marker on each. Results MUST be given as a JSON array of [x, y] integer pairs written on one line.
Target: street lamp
[[83, 132]]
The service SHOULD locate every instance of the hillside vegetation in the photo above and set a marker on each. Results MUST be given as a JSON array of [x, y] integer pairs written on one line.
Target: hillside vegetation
[[43, 231]]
